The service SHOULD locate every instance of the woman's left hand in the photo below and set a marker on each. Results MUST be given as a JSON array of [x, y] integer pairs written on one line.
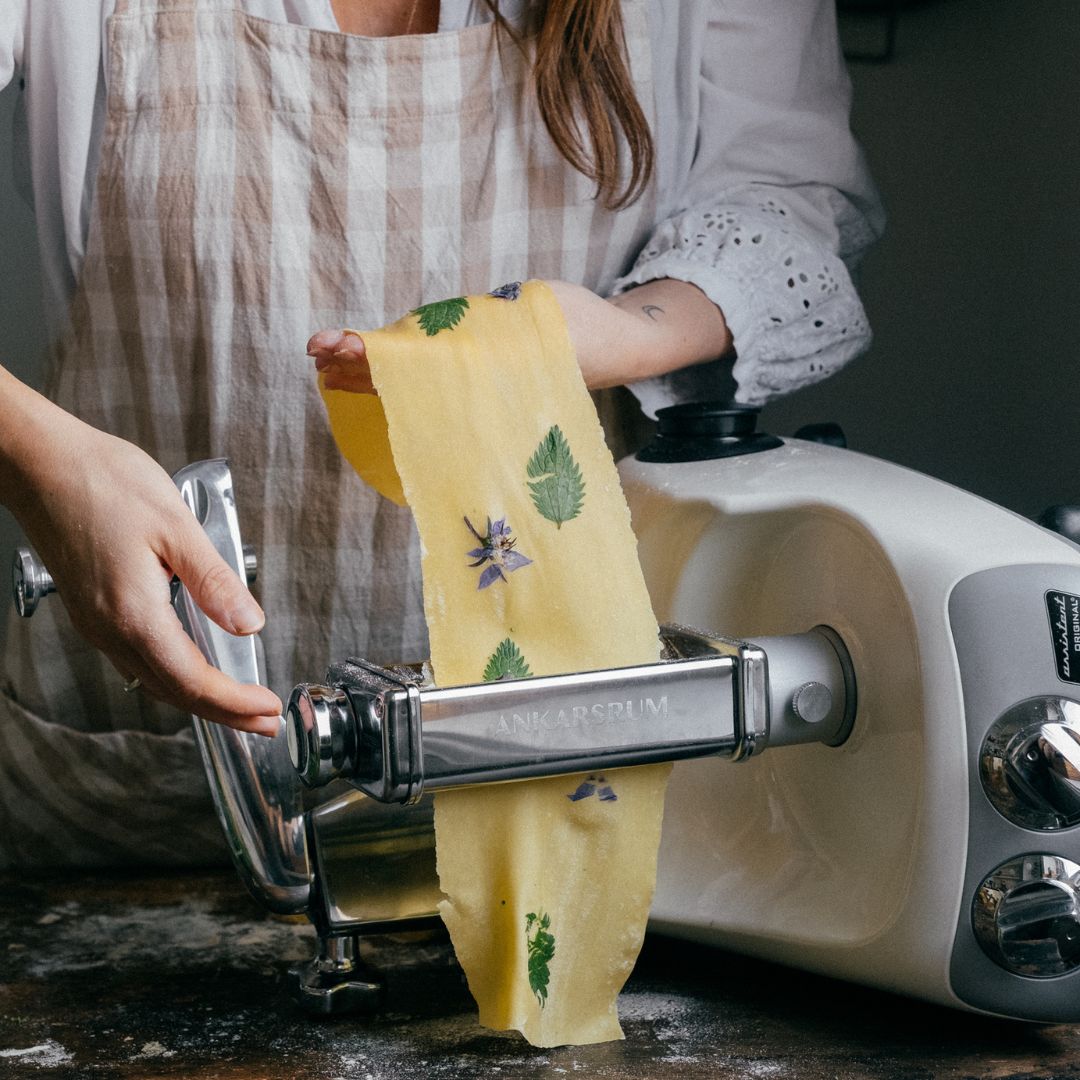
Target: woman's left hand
[[650, 330], [342, 360]]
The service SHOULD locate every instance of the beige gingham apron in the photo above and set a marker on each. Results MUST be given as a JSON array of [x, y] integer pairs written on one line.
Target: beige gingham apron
[[259, 181]]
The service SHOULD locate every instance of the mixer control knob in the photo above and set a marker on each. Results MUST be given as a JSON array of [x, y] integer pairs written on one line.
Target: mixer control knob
[[1030, 763], [320, 733], [1026, 916]]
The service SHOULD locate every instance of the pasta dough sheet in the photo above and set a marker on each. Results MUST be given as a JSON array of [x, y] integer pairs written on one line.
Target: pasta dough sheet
[[530, 568]]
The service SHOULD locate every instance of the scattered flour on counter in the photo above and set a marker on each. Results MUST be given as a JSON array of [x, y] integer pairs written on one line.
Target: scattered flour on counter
[[765, 1068], [154, 1049], [45, 1055], [198, 934]]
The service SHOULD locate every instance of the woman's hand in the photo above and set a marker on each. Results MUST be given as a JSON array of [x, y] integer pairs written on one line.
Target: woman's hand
[[112, 529], [340, 357], [653, 329]]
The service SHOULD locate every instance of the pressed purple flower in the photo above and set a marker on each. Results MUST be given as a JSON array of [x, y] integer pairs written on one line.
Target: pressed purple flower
[[510, 291], [496, 548], [587, 787], [584, 790]]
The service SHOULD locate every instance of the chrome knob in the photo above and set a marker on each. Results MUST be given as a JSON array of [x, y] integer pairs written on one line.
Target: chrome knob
[[320, 733], [1026, 916], [812, 702], [1030, 763], [30, 582]]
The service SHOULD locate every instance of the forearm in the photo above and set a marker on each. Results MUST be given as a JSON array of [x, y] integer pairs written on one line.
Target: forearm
[[29, 423], [655, 328]]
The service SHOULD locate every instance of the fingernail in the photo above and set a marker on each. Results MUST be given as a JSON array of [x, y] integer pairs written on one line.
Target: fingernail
[[322, 338], [247, 618], [270, 726]]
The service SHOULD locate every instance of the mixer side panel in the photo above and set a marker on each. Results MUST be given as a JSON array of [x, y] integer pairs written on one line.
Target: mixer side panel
[[1010, 652]]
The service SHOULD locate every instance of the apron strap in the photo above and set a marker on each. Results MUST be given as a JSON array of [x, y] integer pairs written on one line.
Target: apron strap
[[126, 7]]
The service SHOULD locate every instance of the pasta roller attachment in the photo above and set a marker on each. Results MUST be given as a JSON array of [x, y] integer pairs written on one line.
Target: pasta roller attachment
[[393, 736]]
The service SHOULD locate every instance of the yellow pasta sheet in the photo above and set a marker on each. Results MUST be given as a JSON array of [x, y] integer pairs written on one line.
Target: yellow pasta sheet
[[530, 568]]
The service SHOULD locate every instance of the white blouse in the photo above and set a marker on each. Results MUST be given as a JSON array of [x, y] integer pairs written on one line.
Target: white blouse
[[764, 201]]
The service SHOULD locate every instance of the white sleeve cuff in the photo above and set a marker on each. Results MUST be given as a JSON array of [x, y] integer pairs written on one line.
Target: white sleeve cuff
[[788, 300]]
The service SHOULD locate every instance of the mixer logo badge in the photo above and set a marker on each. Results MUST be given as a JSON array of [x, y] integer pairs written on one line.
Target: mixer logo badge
[[601, 713], [1063, 611]]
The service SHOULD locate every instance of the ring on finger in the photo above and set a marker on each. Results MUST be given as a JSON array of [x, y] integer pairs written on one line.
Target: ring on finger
[[134, 684]]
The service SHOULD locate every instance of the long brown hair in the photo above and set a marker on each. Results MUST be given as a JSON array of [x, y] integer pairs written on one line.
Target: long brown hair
[[581, 74]]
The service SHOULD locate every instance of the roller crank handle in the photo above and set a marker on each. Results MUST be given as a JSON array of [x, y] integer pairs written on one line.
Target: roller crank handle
[[31, 582], [392, 738]]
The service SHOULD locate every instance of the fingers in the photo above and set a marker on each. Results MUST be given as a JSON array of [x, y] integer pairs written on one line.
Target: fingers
[[341, 358], [166, 682], [170, 668], [214, 586], [166, 660]]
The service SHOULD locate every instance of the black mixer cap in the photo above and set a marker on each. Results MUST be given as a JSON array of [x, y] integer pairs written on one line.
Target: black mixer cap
[[704, 430]]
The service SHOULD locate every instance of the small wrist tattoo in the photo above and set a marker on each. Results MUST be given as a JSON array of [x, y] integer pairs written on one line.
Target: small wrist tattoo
[[649, 310]]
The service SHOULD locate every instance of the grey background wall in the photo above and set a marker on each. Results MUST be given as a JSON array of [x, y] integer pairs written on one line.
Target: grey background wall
[[973, 131]]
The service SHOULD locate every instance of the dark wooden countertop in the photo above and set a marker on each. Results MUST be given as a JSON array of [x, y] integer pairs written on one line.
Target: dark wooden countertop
[[121, 976]]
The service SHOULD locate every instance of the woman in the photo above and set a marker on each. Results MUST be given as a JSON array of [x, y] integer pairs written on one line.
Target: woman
[[214, 179]]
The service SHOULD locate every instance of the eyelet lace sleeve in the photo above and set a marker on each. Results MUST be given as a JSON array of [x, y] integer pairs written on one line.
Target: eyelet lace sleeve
[[764, 199], [789, 301]]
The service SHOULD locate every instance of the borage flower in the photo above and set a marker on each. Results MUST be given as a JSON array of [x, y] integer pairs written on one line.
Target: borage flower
[[510, 291], [497, 548]]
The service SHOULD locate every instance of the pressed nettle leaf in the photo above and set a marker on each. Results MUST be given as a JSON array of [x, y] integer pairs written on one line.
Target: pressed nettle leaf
[[510, 291], [541, 946], [441, 315], [496, 548], [506, 662], [557, 487]]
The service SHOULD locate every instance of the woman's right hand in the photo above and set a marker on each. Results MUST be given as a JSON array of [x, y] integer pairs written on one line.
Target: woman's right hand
[[111, 528]]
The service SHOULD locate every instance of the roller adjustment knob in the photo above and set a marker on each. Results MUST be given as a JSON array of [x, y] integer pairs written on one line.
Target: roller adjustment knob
[[320, 733]]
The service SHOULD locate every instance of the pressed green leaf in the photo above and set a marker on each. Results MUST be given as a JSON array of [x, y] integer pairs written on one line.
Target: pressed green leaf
[[506, 662], [441, 315], [556, 485], [541, 951]]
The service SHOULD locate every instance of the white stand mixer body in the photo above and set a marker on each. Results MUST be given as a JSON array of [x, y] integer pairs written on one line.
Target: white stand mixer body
[[851, 861]]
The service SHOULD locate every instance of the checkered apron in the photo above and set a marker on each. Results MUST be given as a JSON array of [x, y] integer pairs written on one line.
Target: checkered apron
[[260, 181]]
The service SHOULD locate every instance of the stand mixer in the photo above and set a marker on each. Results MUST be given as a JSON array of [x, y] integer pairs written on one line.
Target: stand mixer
[[907, 654]]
